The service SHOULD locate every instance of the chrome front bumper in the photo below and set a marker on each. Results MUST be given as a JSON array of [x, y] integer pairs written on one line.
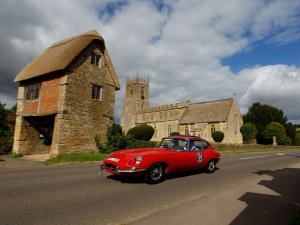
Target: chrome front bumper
[[120, 171]]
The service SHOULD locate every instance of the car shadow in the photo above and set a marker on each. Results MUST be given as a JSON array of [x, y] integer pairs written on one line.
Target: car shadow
[[273, 209], [139, 180]]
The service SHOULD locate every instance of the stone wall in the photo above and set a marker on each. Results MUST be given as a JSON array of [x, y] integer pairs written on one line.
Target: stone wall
[[82, 117]]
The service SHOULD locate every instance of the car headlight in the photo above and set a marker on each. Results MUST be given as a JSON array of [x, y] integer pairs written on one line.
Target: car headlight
[[138, 159]]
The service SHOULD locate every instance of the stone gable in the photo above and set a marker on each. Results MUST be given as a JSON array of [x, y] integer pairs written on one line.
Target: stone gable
[[67, 116]]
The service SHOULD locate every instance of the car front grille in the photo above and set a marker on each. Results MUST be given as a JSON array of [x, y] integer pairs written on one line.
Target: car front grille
[[110, 167]]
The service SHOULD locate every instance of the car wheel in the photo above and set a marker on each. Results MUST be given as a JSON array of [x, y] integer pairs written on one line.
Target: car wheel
[[155, 174], [211, 166]]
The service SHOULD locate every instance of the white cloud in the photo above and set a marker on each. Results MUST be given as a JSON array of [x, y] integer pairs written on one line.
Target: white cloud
[[179, 46], [276, 85]]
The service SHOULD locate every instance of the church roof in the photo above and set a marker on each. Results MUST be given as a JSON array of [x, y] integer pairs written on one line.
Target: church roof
[[61, 54], [213, 111]]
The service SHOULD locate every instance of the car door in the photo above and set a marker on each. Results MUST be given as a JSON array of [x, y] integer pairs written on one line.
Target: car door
[[187, 158]]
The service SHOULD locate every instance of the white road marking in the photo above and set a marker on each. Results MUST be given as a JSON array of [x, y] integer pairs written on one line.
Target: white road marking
[[254, 157], [280, 153]]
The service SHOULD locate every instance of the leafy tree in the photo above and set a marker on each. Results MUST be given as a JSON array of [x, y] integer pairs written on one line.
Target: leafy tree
[[277, 130], [218, 136], [261, 115], [3, 122], [291, 132], [7, 123], [142, 132], [248, 131], [297, 138]]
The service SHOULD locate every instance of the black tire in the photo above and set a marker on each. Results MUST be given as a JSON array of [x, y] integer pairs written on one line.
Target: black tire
[[211, 166], [155, 174]]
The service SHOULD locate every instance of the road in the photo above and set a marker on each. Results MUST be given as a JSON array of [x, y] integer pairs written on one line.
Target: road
[[77, 194]]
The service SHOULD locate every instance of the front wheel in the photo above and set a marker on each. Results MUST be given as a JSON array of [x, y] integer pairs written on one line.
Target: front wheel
[[211, 166], [155, 174]]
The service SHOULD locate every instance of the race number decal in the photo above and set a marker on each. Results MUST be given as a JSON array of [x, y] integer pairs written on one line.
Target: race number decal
[[199, 157]]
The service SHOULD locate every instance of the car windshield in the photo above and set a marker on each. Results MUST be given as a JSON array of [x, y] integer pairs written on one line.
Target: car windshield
[[174, 144]]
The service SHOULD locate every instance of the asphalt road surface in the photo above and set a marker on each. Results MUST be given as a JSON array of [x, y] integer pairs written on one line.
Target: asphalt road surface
[[77, 194]]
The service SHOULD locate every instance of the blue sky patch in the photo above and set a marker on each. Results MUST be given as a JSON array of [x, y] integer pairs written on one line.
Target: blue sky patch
[[263, 54]]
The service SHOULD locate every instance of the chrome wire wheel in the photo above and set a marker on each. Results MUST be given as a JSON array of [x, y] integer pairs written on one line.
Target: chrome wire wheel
[[155, 174], [211, 166]]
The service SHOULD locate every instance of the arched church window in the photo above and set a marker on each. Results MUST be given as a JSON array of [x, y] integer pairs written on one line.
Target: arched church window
[[169, 130], [213, 129], [186, 131], [143, 93], [235, 124]]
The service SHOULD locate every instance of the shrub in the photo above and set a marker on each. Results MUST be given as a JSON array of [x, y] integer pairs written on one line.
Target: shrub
[[277, 130], [218, 136], [175, 134], [248, 131], [297, 139], [99, 145], [142, 132], [119, 142], [113, 130]]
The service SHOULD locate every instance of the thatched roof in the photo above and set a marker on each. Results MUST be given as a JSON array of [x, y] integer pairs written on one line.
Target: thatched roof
[[61, 54], [214, 111]]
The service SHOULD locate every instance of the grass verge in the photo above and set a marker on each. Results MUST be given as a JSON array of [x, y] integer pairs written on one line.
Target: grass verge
[[76, 157], [230, 149], [15, 155]]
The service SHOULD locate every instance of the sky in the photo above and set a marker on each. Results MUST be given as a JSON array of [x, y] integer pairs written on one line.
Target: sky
[[201, 49]]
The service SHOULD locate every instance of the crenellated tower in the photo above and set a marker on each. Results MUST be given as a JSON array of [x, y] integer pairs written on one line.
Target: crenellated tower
[[136, 100]]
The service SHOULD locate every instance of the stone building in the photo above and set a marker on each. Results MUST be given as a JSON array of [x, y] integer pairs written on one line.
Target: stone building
[[66, 97], [200, 119]]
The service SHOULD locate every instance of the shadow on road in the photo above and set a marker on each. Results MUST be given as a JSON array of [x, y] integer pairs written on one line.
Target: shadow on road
[[138, 180], [272, 209]]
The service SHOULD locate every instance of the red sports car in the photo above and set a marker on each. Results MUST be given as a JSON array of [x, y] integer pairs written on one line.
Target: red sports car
[[174, 154]]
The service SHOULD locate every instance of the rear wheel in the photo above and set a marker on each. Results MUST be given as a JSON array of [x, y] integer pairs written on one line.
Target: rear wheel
[[211, 166], [155, 174]]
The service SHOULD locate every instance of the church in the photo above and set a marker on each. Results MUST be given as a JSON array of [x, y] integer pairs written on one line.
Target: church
[[199, 119]]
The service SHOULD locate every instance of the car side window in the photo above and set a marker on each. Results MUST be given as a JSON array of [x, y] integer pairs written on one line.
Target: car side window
[[196, 145], [205, 144], [182, 144]]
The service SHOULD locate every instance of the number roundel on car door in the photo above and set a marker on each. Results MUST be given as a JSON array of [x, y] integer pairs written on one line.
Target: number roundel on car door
[[199, 157]]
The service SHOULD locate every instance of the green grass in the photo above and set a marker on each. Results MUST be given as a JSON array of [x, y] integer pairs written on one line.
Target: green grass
[[76, 157], [15, 155], [230, 149]]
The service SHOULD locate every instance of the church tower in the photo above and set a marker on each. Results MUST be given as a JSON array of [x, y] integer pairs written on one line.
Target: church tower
[[136, 100]]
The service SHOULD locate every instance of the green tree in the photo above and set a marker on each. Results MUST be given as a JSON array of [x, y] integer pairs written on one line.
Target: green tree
[[297, 138], [277, 130], [291, 132], [261, 115], [7, 123], [248, 131]]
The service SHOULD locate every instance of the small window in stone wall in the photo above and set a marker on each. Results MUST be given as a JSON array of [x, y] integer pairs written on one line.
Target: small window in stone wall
[[97, 92], [96, 59], [186, 131], [212, 129], [32, 92]]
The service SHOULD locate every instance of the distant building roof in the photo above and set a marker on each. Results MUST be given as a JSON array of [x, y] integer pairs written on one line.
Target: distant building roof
[[213, 111], [61, 54]]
